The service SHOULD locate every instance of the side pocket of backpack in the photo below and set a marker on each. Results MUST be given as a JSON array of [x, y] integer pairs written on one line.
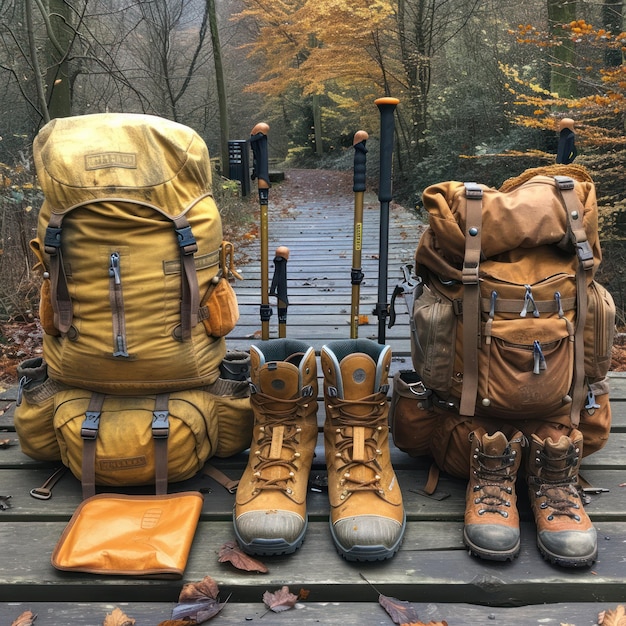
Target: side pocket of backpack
[[411, 414], [34, 411], [599, 331], [433, 344]]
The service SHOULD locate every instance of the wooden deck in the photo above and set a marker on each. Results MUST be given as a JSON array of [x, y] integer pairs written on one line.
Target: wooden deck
[[432, 569]]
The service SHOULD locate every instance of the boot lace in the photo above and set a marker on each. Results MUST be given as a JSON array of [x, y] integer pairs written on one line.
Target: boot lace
[[350, 414], [279, 431], [559, 493], [492, 476]]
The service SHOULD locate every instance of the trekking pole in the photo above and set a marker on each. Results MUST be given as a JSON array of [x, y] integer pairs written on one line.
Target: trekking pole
[[386, 106], [566, 150], [356, 276], [279, 287], [260, 171]]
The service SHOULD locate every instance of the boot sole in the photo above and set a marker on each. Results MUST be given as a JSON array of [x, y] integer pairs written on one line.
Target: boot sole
[[492, 555], [563, 561], [368, 553]]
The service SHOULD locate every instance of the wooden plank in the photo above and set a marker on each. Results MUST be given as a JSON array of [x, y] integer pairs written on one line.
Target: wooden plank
[[218, 503], [431, 566], [367, 613]]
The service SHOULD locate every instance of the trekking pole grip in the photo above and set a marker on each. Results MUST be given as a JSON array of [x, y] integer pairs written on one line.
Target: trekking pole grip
[[360, 158], [258, 140], [386, 106]]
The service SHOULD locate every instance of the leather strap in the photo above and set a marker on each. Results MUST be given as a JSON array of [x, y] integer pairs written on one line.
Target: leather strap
[[160, 434], [217, 475], [471, 297], [578, 238], [190, 300], [59, 292], [89, 433]]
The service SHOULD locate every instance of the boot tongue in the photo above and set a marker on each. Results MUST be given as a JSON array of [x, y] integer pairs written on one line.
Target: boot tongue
[[558, 461], [494, 446], [280, 380], [358, 376]]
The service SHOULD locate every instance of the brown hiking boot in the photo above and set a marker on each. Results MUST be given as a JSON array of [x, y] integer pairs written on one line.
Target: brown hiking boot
[[270, 511], [491, 528], [565, 534], [367, 519]]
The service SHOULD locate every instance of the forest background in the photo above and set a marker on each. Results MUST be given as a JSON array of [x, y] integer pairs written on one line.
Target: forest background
[[482, 86]]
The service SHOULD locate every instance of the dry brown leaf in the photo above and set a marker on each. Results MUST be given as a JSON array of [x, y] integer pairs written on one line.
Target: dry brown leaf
[[443, 623], [198, 601], [280, 600], [615, 617], [118, 618], [27, 618], [400, 611], [176, 622], [231, 553]]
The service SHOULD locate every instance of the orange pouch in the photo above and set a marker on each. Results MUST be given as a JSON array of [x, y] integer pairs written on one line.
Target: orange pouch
[[219, 310], [123, 535]]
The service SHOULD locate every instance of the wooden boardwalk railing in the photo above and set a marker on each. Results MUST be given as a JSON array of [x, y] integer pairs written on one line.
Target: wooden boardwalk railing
[[432, 568]]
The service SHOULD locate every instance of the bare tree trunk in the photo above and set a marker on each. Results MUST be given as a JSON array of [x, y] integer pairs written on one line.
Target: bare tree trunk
[[220, 85], [39, 84], [57, 47], [562, 73]]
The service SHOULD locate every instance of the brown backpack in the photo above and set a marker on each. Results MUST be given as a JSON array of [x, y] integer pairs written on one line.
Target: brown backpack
[[508, 324]]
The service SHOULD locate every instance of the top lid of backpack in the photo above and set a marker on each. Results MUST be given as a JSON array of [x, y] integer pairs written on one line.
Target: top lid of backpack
[[133, 157]]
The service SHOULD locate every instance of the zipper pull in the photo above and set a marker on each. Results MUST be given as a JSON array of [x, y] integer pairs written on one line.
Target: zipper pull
[[529, 303], [559, 304], [492, 314], [539, 360], [114, 268]]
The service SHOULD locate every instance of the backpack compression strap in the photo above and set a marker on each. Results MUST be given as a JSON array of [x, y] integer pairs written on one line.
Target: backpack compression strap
[[471, 298], [89, 434], [577, 237]]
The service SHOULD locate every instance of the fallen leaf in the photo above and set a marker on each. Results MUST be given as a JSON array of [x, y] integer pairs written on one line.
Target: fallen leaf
[[27, 618], [280, 600], [230, 552], [615, 617], [364, 320], [400, 611], [198, 601], [5, 443], [118, 618]]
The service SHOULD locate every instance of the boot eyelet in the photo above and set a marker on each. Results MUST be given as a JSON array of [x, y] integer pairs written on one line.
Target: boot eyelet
[[543, 505], [297, 455], [289, 491], [477, 501], [577, 518], [505, 514], [550, 518], [481, 511]]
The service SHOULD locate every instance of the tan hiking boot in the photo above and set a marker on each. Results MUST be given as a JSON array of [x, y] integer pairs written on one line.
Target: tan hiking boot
[[270, 510], [491, 528], [565, 534], [367, 519]]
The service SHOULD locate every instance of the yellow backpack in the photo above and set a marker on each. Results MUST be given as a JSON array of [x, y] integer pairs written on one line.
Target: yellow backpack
[[129, 240]]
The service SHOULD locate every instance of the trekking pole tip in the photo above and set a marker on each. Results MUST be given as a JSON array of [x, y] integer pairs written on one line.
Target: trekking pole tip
[[261, 127], [360, 136], [283, 252]]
